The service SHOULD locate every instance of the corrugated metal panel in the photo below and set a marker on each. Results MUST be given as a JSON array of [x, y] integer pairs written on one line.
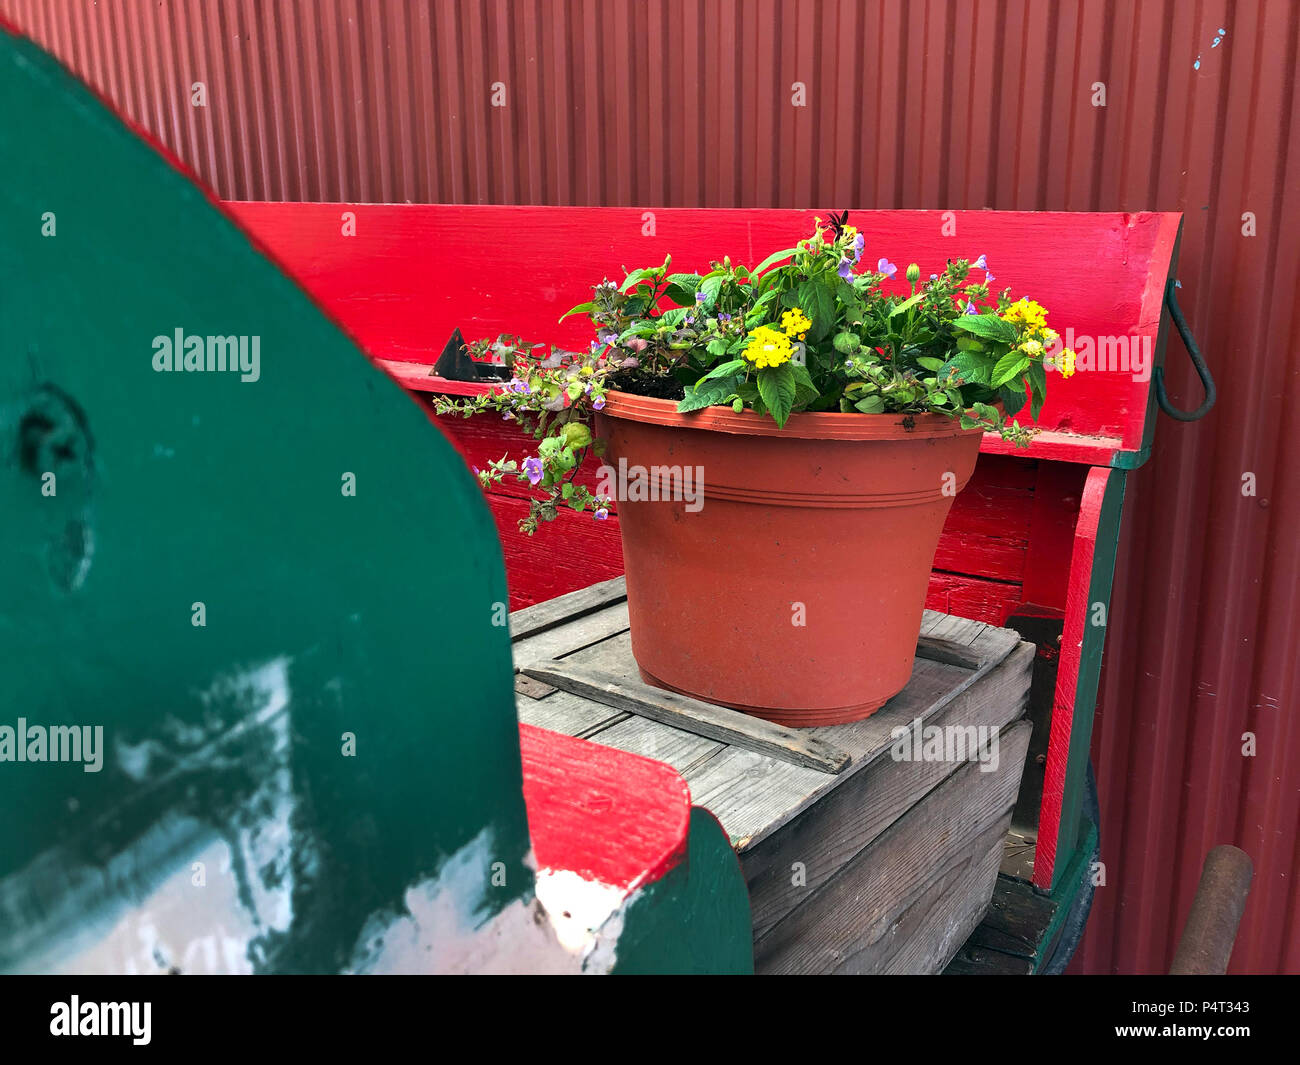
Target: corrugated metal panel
[[918, 105]]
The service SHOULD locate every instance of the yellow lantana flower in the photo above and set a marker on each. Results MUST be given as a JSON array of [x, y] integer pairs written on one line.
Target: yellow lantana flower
[[1031, 347], [1028, 313], [1067, 363], [767, 347], [794, 321]]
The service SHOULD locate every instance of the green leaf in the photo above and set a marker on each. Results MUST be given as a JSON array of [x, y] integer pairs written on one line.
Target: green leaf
[[711, 287], [738, 405], [576, 434], [581, 308], [777, 388], [673, 317], [771, 260], [1013, 399], [567, 491], [870, 405], [817, 301], [1010, 366], [987, 325], [717, 347], [633, 278], [755, 315], [908, 303], [969, 343], [698, 398], [974, 369], [1037, 389], [725, 369], [802, 377], [931, 364], [846, 342]]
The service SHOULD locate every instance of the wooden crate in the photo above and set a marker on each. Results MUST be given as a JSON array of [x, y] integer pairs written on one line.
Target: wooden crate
[[857, 861]]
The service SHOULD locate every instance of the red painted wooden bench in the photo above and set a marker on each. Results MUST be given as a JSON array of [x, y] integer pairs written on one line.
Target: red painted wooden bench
[[1029, 544]]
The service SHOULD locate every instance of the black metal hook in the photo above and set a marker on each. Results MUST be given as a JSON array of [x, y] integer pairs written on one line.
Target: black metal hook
[[1194, 353]]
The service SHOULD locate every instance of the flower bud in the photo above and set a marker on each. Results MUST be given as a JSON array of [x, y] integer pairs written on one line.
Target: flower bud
[[914, 273]]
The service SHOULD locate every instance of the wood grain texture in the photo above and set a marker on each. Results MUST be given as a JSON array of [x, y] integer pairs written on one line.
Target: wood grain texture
[[848, 924], [754, 794], [692, 715], [848, 819]]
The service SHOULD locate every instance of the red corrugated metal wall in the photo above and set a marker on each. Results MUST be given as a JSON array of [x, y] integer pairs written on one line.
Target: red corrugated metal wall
[[931, 104]]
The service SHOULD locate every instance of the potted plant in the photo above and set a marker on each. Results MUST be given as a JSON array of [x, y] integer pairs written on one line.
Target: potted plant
[[783, 444]]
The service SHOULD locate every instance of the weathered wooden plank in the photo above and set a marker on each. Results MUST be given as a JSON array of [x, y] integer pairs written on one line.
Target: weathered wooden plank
[[933, 928], [570, 714], [947, 651], [684, 751], [827, 835], [799, 747], [563, 609], [571, 636], [754, 796], [534, 689], [848, 921]]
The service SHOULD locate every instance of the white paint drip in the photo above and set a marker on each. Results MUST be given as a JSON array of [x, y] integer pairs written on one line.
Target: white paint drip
[[571, 927]]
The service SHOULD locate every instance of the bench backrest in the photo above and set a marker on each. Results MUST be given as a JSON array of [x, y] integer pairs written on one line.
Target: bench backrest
[[410, 273]]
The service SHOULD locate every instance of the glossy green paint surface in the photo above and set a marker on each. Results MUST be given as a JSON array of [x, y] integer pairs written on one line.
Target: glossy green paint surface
[[695, 920], [325, 614]]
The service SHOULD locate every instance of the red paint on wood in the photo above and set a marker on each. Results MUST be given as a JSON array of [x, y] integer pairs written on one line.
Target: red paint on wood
[[414, 272], [1067, 677], [602, 813], [971, 597], [574, 552], [1058, 491]]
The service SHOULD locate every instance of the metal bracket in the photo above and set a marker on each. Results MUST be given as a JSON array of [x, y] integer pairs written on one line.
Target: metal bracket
[[1194, 353]]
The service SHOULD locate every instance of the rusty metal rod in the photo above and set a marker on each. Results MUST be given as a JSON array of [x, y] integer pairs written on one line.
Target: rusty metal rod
[[1211, 927]]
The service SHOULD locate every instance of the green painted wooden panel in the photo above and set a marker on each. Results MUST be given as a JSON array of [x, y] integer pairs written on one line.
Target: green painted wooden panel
[[325, 613]]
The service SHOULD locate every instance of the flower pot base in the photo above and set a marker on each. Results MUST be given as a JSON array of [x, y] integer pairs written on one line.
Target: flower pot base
[[791, 718]]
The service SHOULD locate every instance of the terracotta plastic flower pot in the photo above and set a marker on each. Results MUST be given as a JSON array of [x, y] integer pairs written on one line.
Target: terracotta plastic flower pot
[[790, 584]]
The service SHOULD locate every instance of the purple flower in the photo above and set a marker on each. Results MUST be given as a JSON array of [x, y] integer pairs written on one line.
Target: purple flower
[[981, 262], [606, 336], [846, 269], [601, 514], [886, 267], [533, 467], [724, 317], [690, 320], [507, 417], [700, 297], [989, 279], [970, 308], [516, 385], [934, 277], [596, 345], [598, 403]]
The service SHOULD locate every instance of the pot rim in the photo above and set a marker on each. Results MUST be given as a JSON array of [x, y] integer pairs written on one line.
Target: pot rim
[[806, 425]]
